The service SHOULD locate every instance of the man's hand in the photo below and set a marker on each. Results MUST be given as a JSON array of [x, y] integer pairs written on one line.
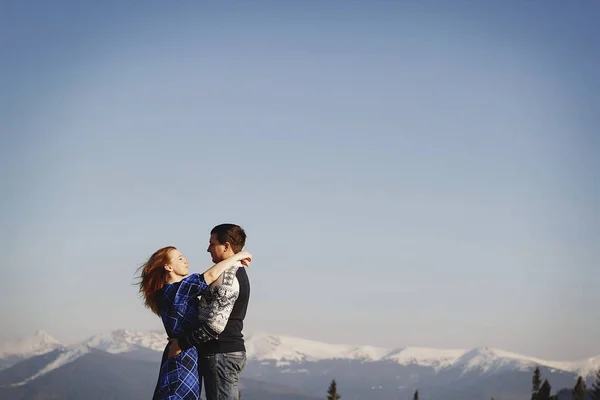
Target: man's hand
[[244, 257], [173, 348]]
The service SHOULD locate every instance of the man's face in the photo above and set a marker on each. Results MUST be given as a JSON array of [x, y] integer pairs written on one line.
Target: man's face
[[217, 250]]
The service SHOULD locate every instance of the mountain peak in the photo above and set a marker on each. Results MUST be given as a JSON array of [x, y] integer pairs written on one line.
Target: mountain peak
[[435, 358], [39, 343], [487, 360], [45, 337], [484, 351], [123, 340]]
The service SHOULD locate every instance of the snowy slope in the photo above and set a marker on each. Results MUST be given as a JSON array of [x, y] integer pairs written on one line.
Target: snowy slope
[[119, 341], [262, 346], [284, 348], [486, 360], [424, 356], [585, 367], [38, 343], [122, 341], [68, 354], [287, 350]]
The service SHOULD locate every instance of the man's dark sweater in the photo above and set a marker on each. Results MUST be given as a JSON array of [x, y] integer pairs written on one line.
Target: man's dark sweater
[[222, 311]]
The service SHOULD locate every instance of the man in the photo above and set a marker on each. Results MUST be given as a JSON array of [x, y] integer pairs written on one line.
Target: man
[[219, 339]]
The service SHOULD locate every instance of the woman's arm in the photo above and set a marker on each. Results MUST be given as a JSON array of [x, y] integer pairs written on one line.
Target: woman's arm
[[211, 274], [195, 284]]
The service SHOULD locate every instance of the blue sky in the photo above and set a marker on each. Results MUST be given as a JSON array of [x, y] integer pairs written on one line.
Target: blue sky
[[409, 173]]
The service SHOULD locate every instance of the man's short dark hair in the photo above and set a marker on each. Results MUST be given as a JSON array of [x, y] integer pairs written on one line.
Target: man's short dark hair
[[234, 234]]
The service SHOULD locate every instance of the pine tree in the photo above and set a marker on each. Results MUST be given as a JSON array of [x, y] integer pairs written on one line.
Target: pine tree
[[545, 389], [332, 393], [416, 396], [579, 390], [537, 382], [595, 390]]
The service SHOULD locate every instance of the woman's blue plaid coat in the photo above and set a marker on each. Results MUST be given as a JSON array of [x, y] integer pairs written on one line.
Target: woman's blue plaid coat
[[178, 377]]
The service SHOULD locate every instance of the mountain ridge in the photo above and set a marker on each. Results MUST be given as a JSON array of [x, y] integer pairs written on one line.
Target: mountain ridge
[[304, 368], [284, 350]]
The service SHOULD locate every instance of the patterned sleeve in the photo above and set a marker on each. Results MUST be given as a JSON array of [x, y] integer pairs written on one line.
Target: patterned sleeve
[[192, 285], [216, 313]]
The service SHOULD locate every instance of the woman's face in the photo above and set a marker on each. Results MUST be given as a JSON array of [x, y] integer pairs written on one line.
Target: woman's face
[[178, 264]]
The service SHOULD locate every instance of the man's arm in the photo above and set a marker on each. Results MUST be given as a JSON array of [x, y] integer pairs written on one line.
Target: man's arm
[[217, 312], [213, 273]]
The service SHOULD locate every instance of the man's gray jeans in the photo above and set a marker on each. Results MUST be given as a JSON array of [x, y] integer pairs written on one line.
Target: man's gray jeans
[[221, 373]]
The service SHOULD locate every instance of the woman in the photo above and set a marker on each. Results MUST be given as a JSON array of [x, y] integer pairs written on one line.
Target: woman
[[171, 292]]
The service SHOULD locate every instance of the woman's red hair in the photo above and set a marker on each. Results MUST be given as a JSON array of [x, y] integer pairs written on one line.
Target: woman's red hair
[[153, 278]]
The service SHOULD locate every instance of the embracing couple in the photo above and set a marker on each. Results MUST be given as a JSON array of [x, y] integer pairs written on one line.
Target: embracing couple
[[205, 333]]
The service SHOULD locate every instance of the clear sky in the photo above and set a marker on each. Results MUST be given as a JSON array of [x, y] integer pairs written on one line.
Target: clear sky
[[408, 173]]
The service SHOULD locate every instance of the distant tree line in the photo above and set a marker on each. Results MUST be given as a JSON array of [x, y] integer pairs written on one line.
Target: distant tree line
[[540, 390]]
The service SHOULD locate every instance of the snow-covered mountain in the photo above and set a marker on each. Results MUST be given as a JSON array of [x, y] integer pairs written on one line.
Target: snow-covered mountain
[[368, 372], [64, 355], [287, 350], [284, 349], [123, 340], [38, 343], [488, 360], [436, 358]]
